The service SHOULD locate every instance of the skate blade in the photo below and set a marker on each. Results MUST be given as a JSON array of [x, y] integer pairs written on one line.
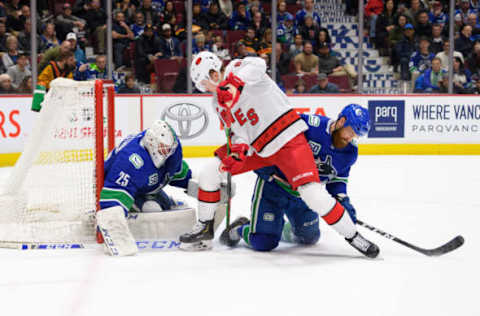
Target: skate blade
[[197, 246]]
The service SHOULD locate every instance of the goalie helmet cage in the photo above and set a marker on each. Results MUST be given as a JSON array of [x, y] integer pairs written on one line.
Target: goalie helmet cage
[[53, 191]]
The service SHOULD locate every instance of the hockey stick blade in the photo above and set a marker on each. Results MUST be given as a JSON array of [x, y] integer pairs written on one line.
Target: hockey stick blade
[[446, 248]]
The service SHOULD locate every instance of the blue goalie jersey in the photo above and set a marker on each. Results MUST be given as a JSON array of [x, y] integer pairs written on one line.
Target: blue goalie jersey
[[333, 164], [131, 174]]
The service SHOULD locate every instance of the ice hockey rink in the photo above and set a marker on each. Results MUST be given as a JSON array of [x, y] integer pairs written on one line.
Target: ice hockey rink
[[425, 200]]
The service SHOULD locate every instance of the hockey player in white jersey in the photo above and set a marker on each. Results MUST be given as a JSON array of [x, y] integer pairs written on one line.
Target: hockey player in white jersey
[[266, 132]]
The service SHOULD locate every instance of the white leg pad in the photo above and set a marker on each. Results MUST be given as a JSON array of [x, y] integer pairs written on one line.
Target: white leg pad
[[118, 239]]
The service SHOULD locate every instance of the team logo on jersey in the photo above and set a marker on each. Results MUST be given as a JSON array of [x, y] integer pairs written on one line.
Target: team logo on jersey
[[315, 147], [136, 160], [326, 168], [313, 121], [187, 119], [153, 179], [269, 217]]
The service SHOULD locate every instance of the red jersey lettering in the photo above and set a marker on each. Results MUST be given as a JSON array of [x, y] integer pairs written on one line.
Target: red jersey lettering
[[240, 117], [252, 116]]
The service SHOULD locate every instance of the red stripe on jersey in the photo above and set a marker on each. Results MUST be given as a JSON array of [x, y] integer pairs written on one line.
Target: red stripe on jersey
[[275, 129], [335, 214], [209, 196]]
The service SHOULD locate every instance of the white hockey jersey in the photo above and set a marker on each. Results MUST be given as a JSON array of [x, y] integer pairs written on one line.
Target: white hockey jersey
[[262, 116]]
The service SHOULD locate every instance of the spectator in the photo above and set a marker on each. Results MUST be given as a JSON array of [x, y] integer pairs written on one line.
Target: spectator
[[444, 84], [226, 7], [297, 46], [282, 13], [443, 55], [169, 14], [411, 13], [403, 50], [139, 25], [474, 60], [128, 9], [48, 37], [121, 35], [67, 22], [436, 15], [461, 77], [463, 43], [421, 60], [472, 21], [243, 51], [19, 71], [328, 62], [424, 27], [308, 10], [16, 20], [259, 24], [9, 59], [458, 25], [77, 51], [96, 18], [152, 17], [306, 62], [147, 49], [396, 34], [283, 60], [372, 10], [63, 67], [53, 54], [3, 37], [129, 86], [97, 70], [464, 10], [430, 80], [251, 41], [199, 44], [385, 24], [322, 37], [437, 39], [26, 86], [240, 18], [309, 30], [265, 46], [219, 49], [24, 38], [286, 31], [299, 87], [169, 46], [215, 18], [323, 86], [6, 85], [199, 17]]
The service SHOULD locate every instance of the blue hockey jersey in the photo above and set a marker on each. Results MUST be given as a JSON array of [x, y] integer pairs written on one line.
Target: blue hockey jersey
[[131, 174], [333, 164]]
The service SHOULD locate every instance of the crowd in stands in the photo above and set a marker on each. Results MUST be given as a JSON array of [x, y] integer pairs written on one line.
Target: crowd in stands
[[149, 42]]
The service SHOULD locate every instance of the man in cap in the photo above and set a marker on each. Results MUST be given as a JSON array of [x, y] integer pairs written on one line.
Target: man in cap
[[323, 86], [169, 45]]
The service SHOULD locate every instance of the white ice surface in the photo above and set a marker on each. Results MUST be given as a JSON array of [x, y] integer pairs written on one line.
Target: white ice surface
[[426, 200]]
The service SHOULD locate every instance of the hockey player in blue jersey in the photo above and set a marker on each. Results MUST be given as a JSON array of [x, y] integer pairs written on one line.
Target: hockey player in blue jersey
[[334, 148], [135, 172]]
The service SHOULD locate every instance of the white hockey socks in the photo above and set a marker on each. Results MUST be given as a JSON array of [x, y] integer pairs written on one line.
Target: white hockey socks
[[118, 239], [317, 198]]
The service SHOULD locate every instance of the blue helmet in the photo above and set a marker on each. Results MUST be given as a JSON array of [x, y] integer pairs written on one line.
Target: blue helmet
[[357, 117]]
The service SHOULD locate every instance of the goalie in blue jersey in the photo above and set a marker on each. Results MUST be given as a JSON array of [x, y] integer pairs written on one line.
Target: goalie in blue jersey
[[333, 144], [135, 173]]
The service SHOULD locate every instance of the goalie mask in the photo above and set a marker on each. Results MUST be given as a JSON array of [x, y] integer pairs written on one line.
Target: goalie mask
[[202, 64], [160, 141]]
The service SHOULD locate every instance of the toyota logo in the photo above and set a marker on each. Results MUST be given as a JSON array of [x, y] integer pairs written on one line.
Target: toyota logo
[[189, 120]]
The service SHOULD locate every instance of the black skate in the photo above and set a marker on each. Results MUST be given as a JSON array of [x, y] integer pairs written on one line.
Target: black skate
[[363, 245], [200, 238], [226, 237]]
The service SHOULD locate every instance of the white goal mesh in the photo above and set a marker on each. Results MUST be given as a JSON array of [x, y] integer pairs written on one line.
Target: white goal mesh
[[51, 194]]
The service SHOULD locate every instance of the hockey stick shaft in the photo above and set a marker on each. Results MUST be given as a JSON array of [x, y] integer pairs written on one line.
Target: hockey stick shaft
[[229, 181], [443, 249]]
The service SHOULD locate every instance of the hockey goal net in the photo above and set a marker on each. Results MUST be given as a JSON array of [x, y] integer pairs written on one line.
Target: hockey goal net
[[52, 193]]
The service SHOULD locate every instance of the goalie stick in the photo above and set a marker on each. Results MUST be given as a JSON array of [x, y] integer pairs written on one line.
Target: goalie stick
[[441, 250]]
